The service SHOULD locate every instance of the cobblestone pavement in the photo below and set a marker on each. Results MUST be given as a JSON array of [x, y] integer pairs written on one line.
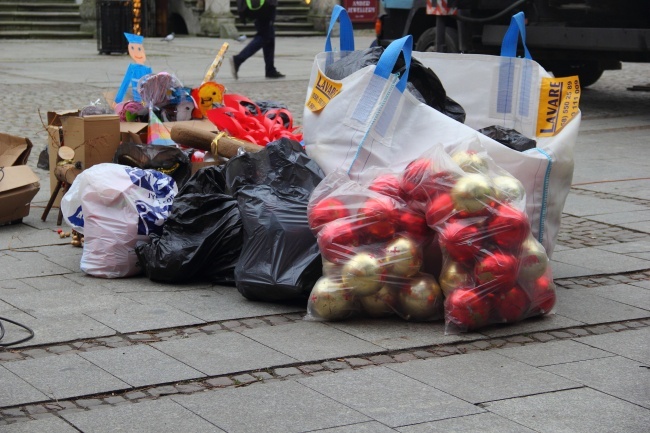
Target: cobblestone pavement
[[146, 357]]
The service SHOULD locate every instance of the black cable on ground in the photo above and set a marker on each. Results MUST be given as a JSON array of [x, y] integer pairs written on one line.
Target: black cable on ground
[[22, 340]]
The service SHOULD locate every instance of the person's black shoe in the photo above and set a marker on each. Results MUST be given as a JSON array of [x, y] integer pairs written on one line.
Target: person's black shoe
[[275, 74]]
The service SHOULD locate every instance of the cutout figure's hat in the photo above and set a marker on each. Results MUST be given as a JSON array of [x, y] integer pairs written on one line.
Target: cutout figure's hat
[[134, 39]]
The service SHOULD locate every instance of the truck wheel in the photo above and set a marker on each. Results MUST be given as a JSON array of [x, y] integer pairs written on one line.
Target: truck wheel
[[587, 72], [427, 40]]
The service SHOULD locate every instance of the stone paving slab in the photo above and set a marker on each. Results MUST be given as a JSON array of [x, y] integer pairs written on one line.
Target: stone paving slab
[[157, 416], [531, 325], [581, 410], [634, 344], [641, 226], [22, 236], [483, 423], [554, 352], [21, 391], [54, 282], [65, 301], [311, 341], [223, 353], [616, 376], [600, 261], [618, 218], [588, 308], [628, 188], [389, 397], [214, 304], [564, 270], [364, 427], [132, 317], [624, 293], [582, 205], [141, 365], [59, 328], [483, 376], [396, 333], [282, 407], [628, 247], [65, 376], [49, 425], [15, 269]]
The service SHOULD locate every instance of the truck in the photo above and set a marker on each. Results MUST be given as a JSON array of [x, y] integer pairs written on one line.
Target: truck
[[566, 37]]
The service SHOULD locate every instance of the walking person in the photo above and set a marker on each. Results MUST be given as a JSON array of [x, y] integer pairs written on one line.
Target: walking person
[[264, 39]]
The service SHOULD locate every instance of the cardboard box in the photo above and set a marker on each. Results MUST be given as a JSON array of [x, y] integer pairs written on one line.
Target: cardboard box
[[18, 186], [14, 150], [93, 138]]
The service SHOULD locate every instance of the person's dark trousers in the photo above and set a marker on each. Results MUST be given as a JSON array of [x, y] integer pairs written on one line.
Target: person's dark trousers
[[264, 39]]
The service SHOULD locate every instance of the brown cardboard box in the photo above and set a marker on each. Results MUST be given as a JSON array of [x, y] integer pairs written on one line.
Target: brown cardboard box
[[18, 186], [93, 138], [14, 150]]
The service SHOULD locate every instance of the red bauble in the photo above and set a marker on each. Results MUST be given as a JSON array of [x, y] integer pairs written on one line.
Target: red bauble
[[326, 210], [413, 179], [413, 224], [543, 296], [439, 209], [496, 271], [462, 240], [508, 228], [377, 217], [511, 305], [386, 184], [338, 240], [467, 309]]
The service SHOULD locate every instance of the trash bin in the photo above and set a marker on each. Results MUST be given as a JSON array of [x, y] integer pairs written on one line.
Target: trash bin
[[114, 17]]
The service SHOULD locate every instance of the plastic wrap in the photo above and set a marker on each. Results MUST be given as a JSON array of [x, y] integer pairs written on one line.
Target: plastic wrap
[[493, 271], [372, 249]]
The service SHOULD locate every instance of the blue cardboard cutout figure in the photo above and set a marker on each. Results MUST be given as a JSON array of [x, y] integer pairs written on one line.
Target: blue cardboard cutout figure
[[135, 70]]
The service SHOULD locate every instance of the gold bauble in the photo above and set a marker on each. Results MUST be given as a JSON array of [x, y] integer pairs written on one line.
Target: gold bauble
[[402, 258], [470, 161], [453, 276], [508, 189], [331, 269], [361, 274], [472, 192], [534, 260], [421, 299], [330, 301], [383, 303]]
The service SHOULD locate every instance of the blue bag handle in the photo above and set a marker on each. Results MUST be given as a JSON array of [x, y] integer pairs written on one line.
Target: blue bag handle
[[511, 38], [346, 34], [389, 57]]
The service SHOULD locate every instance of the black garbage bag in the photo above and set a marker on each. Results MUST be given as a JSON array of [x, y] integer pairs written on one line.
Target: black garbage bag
[[279, 259], [423, 83], [202, 236], [166, 159], [509, 137]]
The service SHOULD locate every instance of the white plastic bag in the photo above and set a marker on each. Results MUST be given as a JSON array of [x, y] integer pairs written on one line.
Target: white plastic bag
[[115, 207], [369, 119]]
